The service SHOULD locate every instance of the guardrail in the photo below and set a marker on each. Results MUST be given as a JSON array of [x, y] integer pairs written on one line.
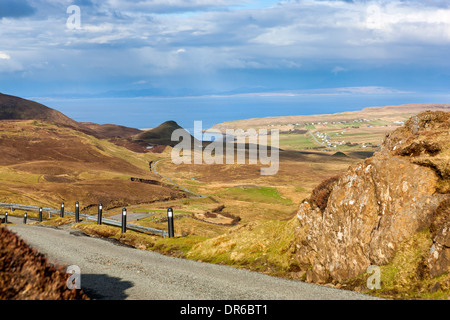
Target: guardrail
[[124, 225]]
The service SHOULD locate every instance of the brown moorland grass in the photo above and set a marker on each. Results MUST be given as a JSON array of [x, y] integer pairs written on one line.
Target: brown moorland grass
[[44, 164], [25, 274]]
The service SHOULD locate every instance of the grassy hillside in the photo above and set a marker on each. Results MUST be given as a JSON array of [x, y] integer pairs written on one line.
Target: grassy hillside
[[160, 135], [15, 108], [45, 164], [242, 218], [112, 130]]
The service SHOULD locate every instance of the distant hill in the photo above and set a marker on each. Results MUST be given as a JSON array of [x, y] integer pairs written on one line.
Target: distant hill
[[339, 154], [45, 164], [15, 108], [112, 130], [399, 112], [161, 135]]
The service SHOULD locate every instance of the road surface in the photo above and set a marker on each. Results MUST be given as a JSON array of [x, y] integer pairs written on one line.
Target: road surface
[[110, 270], [315, 139]]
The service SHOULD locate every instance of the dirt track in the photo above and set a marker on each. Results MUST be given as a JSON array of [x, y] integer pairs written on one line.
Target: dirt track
[[113, 271]]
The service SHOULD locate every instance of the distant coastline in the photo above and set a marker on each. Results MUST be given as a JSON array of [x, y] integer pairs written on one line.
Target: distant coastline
[[151, 111]]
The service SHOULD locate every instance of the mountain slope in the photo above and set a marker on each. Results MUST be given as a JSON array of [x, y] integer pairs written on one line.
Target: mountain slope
[[112, 130], [161, 135], [44, 164], [15, 108]]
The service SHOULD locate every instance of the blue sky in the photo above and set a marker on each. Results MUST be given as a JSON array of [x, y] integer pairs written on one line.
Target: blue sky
[[223, 47]]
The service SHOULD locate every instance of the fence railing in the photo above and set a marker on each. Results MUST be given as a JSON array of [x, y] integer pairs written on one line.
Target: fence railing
[[123, 224]]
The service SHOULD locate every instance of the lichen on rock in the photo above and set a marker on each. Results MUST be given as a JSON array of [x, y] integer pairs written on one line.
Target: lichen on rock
[[376, 205]]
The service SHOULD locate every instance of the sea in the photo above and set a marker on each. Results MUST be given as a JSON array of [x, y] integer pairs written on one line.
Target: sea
[[149, 112]]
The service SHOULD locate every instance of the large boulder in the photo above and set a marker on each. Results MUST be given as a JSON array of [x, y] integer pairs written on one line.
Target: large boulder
[[362, 217]]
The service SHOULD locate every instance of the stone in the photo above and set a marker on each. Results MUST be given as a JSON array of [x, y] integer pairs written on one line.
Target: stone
[[379, 203]]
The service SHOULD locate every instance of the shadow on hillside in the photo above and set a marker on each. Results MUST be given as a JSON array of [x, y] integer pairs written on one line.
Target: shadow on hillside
[[104, 287]]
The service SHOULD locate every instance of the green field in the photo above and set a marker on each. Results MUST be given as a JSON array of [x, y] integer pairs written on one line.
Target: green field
[[255, 194], [296, 141]]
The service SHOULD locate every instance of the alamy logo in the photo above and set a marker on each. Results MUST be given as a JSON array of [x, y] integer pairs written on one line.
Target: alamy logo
[[74, 281], [236, 144], [374, 20], [74, 20], [373, 282]]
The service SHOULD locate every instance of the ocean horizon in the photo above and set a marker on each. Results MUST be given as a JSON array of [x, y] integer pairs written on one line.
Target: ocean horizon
[[149, 112]]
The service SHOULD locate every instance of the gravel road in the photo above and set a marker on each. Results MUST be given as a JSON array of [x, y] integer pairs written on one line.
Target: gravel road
[[110, 270]]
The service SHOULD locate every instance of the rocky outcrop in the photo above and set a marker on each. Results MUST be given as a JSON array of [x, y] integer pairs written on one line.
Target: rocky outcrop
[[365, 214], [438, 259]]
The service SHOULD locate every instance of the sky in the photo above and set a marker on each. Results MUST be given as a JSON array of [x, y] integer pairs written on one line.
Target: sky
[[67, 49]]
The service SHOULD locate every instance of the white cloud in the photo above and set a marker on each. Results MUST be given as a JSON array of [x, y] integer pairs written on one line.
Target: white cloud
[[290, 31], [100, 28], [4, 56], [369, 90], [181, 50], [140, 82], [7, 64], [338, 69], [415, 22], [168, 6], [365, 90], [145, 38]]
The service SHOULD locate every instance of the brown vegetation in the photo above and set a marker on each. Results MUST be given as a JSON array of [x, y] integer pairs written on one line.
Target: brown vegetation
[[25, 274], [321, 193], [15, 108], [219, 211], [158, 149], [46, 164], [110, 131], [161, 135]]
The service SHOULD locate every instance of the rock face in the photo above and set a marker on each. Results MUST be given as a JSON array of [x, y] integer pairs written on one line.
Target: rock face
[[374, 206]]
